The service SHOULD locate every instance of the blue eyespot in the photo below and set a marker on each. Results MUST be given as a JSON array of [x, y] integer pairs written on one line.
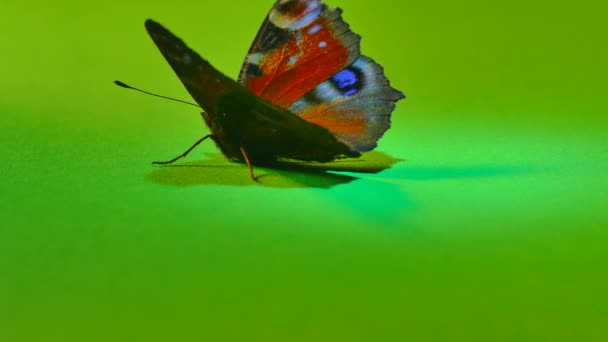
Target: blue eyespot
[[347, 81], [344, 78]]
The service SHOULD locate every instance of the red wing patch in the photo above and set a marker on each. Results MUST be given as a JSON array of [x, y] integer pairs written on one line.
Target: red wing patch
[[301, 44]]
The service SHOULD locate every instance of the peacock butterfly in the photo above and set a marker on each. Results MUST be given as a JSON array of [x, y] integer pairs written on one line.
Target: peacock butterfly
[[304, 91]]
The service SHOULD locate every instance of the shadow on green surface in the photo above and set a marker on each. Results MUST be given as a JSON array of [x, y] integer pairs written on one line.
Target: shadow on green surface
[[430, 173], [285, 174]]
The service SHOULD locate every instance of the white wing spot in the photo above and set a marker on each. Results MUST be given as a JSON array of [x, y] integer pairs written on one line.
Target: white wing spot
[[256, 58], [315, 29], [309, 18], [293, 59], [322, 44]]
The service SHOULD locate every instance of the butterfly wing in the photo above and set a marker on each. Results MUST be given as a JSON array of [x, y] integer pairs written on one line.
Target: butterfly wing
[[355, 104], [300, 44], [306, 59]]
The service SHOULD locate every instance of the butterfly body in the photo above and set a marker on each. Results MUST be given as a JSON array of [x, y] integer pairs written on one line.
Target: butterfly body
[[239, 119], [304, 92]]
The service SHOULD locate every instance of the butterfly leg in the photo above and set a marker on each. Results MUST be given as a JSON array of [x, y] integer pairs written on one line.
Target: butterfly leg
[[185, 153], [249, 165]]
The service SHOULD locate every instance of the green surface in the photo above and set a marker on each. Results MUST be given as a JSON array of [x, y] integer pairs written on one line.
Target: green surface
[[490, 223]]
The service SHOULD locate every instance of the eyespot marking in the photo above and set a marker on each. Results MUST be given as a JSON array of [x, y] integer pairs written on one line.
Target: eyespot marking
[[348, 81]]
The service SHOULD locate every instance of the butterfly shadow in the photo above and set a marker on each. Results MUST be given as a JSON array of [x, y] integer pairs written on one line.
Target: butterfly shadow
[[215, 170], [438, 173]]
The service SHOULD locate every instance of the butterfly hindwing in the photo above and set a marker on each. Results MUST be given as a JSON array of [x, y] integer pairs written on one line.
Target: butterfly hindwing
[[300, 44], [355, 104]]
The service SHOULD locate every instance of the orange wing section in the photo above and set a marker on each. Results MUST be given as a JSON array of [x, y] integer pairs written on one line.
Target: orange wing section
[[340, 121], [301, 44]]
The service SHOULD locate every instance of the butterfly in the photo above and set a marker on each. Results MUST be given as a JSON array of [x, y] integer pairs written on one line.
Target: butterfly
[[304, 92]]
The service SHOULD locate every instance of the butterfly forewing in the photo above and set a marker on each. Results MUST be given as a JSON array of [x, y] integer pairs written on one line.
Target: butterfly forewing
[[202, 81], [300, 44]]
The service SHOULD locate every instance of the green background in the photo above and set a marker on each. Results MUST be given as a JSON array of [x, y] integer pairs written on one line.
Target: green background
[[489, 225]]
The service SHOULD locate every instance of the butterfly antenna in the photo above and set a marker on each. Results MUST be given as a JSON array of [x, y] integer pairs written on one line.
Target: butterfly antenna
[[124, 85]]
